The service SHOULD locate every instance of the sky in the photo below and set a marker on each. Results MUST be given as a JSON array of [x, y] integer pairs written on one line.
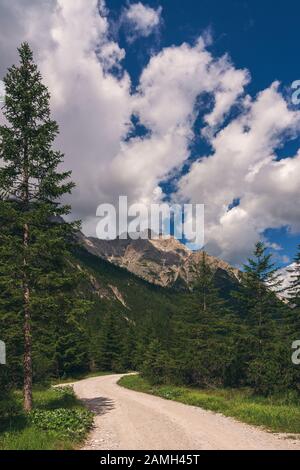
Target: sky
[[180, 101]]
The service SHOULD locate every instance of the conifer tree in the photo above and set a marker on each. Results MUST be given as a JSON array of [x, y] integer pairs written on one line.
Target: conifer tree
[[34, 240], [262, 313], [214, 329], [110, 346], [259, 282], [156, 363], [207, 294], [204, 329]]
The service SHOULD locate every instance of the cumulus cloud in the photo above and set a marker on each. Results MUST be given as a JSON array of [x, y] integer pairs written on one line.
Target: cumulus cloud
[[93, 101], [94, 106], [165, 105], [141, 20], [91, 104], [243, 167]]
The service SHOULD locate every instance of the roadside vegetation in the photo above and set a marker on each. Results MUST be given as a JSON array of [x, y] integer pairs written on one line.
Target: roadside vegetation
[[243, 341], [277, 413], [58, 421]]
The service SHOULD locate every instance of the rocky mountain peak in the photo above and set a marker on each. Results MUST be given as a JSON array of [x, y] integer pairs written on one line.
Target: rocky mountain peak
[[161, 260]]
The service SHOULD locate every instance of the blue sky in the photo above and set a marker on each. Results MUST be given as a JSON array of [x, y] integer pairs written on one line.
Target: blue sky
[[179, 100], [262, 36]]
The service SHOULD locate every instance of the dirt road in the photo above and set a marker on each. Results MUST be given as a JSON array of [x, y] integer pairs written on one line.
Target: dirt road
[[129, 420]]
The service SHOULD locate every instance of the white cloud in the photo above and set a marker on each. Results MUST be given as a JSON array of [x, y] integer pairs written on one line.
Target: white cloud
[[243, 166], [141, 20], [165, 105], [22, 20], [94, 108], [90, 103], [93, 103]]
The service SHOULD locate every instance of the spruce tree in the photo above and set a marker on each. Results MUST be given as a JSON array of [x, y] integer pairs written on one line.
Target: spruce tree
[[214, 329], [207, 294], [109, 354], [262, 314], [155, 366], [204, 331], [34, 242]]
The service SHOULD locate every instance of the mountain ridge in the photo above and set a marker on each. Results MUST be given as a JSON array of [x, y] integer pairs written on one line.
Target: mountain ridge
[[163, 261]]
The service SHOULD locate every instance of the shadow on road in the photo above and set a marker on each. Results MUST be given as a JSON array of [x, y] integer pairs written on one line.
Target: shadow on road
[[99, 405]]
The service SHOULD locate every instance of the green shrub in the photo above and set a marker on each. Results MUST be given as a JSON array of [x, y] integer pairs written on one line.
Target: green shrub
[[70, 423], [59, 421]]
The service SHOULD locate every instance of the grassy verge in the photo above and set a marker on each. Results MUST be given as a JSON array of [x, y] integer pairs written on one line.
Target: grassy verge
[[58, 421], [277, 414]]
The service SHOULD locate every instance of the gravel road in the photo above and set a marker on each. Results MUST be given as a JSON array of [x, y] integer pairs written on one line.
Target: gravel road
[[128, 420]]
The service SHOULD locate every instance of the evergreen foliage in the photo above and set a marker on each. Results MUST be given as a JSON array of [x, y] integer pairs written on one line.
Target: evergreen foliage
[[217, 343], [37, 282], [262, 342]]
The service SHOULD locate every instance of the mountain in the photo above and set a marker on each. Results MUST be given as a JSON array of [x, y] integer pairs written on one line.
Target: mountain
[[120, 291], [163, 261], [132, 309]]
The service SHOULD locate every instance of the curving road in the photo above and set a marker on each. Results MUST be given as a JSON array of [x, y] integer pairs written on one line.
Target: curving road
[[128, 420]]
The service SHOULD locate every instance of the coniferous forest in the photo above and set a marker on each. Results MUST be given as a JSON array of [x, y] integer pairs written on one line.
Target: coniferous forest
[[59, 317]]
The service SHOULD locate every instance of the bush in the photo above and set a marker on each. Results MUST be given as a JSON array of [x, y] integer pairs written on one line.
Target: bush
[[58, 421], [66, 422]]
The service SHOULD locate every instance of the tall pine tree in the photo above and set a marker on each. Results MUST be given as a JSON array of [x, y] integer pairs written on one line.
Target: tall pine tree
[[34, 240], [213, 330], [204, 333], [262, 314]]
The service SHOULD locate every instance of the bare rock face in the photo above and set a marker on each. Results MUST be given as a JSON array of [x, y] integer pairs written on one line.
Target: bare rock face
[[163, 261]]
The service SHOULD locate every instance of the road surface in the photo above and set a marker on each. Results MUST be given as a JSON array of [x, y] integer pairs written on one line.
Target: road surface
[[129, 420]]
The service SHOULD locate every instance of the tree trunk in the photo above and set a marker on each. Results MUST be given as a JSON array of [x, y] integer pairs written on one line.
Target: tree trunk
[[27, 330]]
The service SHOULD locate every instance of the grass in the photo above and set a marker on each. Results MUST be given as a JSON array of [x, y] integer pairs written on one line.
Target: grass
[[276, 414], [59, 421]]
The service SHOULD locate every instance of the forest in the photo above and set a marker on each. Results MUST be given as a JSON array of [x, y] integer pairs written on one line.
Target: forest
[[55, 323]]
